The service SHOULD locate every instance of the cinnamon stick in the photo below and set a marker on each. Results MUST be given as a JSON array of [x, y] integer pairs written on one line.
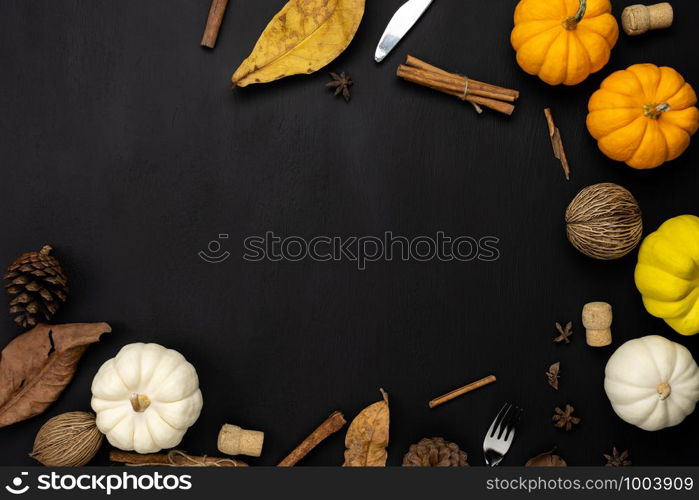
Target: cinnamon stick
[[213, 22], [430, 79], [417, 63], [502, 107], [557, 143], [330, 426], [472, 91], [173, 458], [462, 390], [458, 83]]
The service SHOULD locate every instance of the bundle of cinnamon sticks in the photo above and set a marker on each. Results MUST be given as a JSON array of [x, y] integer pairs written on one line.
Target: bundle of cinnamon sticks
[[479, 94]]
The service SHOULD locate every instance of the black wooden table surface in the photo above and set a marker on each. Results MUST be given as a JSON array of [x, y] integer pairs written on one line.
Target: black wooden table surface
[[122, 145]]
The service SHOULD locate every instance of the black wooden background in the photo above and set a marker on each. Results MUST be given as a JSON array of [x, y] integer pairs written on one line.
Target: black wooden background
[[122, 145]]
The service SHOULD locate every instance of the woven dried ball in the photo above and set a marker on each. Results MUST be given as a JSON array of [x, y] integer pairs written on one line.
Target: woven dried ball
[[435, 452], [604, 221], [67, 440]]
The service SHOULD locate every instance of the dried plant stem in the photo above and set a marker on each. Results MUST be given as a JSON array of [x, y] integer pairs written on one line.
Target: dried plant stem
[[557, 143], [173, 458], [462, 390], [331, 425]]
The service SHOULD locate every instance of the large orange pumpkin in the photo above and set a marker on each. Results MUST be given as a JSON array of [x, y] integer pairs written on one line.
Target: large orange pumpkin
[[643, 115], [563, 41]]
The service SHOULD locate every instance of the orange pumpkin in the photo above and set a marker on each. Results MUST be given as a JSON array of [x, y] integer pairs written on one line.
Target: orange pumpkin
[[563, 41], [643, 115]]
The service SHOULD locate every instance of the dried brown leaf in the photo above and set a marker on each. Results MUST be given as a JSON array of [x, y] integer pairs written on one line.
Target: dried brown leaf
[[546, 459], [367, 436], [552, 374], [36, 366]]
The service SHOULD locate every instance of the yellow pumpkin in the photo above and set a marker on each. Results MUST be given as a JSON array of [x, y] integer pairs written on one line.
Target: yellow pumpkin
[[643, 115], [563, 41], [667, 273]]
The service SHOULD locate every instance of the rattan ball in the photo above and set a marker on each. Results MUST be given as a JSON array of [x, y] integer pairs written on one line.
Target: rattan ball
[[67, 440], [604, 221]]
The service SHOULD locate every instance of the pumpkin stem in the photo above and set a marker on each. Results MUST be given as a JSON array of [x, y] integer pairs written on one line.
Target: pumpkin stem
[[139, 402], [655, 111], [664, 390], [570, 23]]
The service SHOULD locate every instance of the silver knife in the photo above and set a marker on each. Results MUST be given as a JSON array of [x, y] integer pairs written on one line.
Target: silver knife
[[399, 25]]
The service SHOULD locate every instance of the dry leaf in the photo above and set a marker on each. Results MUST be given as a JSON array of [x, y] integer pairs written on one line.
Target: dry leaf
[[367, 436], [546, 459], [302, 38], [553, 373], [36, 367]]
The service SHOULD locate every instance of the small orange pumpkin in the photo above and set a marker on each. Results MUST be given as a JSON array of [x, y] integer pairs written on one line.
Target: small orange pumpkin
[[563, 41], [643, 115]]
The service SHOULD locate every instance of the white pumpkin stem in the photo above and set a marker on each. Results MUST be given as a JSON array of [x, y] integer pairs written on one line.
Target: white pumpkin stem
[[139, 402], [664, 390], [571, 23]]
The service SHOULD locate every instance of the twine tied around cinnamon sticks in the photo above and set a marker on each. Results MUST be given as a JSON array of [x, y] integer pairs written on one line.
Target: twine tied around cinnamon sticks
[[477, 93]]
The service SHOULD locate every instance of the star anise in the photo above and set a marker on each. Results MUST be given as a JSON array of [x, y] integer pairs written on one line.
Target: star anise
[[564, 333], [617, 459], [341, 83], [565, 419], [552, 374]]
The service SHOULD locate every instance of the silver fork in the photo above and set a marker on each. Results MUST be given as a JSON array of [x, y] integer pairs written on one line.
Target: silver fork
[[501, 433]]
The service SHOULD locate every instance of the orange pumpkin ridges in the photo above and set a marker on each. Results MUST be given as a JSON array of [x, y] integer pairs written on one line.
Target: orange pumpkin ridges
[[559, 41], [643, 115]]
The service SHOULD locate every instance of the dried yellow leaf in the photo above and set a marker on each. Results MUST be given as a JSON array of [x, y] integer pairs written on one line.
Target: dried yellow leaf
[[367, 436], [302, 38]]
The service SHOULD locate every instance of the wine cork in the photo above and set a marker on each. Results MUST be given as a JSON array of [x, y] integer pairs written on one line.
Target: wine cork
[[638, 19], [597, 320], [232, 440]]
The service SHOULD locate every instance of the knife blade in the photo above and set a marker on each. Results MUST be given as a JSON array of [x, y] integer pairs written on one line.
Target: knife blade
[[401, 22]]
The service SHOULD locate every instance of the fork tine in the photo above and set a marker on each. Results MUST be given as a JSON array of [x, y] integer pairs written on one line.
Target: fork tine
[[501, 434], [495, 426], [504, 423], [491, 430], [515, 416]]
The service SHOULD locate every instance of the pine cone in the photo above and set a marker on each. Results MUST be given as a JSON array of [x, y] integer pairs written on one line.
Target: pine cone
[[435, 452], [37, 287]]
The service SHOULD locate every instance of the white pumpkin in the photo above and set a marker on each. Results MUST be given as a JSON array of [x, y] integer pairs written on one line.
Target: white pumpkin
[[146, 398], [652, 382]]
